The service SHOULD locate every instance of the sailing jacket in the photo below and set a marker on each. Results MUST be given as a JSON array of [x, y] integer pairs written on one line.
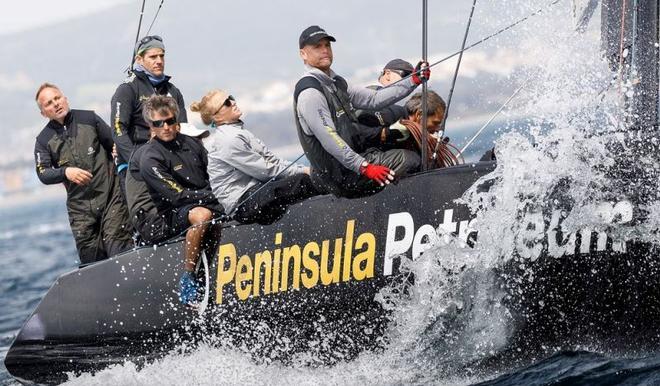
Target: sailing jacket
[[129, 129], [238, 160], [327, 125], [175, 173], [85, 142]]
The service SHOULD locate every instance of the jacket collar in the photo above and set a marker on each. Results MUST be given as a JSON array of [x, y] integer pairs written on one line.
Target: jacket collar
[[67, 121]]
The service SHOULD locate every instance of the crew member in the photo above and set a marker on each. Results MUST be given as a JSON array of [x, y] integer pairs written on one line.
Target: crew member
[[148, 78], [75, 149], [248, 179], [445, 153], [328, 128], [174, 168]]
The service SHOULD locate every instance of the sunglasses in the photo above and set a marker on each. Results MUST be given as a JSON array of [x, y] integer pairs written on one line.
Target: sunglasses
[[402, 73], [228, 101], [160, 123]]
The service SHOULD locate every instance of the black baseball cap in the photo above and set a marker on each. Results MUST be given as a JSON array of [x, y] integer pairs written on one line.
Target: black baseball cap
[[312, 35], [399, 65]]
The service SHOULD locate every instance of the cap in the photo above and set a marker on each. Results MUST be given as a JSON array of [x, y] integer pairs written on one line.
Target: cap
[[312, 35], [399, 65], [192, 130], [147, 42]]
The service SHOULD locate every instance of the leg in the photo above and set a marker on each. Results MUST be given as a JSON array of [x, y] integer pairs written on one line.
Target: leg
[[198, 218], [116, 228]]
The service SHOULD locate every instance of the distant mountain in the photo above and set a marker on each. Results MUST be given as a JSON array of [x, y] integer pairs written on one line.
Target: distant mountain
[[248, 48]]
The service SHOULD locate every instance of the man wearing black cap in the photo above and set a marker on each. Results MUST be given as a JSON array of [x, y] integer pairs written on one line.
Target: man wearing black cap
[[394, 71], [148, 78], [328, 128]]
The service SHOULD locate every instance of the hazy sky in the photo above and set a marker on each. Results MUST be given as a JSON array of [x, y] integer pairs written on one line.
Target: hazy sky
[[27, 14]]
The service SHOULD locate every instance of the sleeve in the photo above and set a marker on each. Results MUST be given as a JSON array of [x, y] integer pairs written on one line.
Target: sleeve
[[370, 99], [104, 133], [46, 172], [158, 178], [183, 115], [249, 155], [121, 111], [313, 111]]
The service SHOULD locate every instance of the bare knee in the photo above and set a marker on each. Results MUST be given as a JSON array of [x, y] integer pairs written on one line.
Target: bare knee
[[199, 215]]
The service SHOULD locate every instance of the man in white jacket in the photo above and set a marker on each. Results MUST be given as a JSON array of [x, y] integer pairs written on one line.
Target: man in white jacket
[[251, 183]]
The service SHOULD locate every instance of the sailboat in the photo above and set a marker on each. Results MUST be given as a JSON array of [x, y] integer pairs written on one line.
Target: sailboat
[[321, 266]]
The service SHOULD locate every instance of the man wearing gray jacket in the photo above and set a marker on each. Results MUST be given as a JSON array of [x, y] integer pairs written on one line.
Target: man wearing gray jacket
[[328, 128], [251, 183]]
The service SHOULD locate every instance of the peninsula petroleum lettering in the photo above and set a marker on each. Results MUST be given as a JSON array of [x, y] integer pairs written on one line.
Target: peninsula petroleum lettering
[[288, 267]]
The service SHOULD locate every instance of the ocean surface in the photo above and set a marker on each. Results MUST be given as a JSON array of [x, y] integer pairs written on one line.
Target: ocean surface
[[36, 246]]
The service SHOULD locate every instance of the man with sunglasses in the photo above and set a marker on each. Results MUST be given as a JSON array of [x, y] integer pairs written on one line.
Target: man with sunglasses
[[129, 129], [174, 168], [328, 128]]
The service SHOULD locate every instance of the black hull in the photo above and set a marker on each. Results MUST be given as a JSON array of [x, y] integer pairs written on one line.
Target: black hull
[[126, 308]]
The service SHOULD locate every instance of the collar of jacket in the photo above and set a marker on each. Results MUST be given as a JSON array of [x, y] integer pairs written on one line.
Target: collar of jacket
[[142, 75], [174, 144], [238, 124], [320, 75], [67, 121]]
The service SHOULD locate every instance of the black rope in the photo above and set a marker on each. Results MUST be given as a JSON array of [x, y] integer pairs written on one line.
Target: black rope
[[453, 82], [484, 39]]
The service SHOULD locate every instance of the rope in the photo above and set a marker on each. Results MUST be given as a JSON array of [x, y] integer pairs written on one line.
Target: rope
[[453, 82], [447, 153], [154, 20], [137, 37]]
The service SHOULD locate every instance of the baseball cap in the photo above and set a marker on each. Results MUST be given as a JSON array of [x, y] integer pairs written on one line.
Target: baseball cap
[[399, 65], [312, 35]]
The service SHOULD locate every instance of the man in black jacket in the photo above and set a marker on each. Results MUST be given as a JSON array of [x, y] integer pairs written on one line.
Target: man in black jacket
[[174, 168], [130, 130], [75, 149]]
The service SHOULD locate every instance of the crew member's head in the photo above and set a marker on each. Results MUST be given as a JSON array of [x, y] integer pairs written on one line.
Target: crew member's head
[[435, 110], [52, 103], [315, 49], [217, 107], [150, 54], [395, 70], [162, 114]]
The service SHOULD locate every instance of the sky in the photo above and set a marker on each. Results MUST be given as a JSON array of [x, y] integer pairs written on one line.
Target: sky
[[27, 14]]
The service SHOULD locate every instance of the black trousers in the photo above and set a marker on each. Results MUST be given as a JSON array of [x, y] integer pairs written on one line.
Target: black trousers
[[401, 161], [266, 203]]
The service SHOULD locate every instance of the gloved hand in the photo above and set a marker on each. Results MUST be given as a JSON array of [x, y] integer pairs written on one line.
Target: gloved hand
[[379, 173], [422, 72]]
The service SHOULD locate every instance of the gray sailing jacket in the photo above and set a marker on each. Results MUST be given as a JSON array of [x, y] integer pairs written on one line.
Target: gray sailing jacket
[[238, 160], [315, 118]]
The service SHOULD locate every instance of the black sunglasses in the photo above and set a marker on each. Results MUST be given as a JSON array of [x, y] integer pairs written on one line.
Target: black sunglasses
[[229, 100], [162, 122]]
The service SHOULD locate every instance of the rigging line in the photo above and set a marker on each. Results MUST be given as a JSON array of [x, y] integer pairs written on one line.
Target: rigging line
[[493, 117], [155, 16], [538, 11], [137, 36], [453, 82]]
